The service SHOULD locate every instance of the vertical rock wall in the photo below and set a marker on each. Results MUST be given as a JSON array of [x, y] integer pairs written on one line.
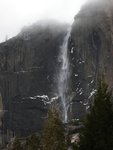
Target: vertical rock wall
[[91, 51]]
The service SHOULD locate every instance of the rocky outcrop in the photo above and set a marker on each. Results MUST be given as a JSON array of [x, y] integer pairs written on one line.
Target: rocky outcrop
[[91, 51], [29, 63], [27, 69]]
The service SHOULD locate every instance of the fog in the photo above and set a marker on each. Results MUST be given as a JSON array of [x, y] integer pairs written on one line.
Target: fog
[[14, 14]]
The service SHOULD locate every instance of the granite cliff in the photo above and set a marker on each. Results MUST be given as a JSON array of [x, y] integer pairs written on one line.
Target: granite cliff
[[27, 71], [91, 51], [29, 63]]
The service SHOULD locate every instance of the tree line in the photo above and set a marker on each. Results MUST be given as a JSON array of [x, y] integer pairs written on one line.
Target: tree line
[[96, 133]]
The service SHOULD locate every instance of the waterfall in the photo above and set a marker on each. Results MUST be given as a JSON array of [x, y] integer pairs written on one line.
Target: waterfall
[[64, 78]]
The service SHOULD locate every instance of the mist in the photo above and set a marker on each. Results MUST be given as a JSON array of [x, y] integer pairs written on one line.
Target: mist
[[14, 14]]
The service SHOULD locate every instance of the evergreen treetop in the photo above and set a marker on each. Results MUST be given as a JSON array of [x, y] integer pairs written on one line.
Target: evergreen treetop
[[98, 127], [53, 137]]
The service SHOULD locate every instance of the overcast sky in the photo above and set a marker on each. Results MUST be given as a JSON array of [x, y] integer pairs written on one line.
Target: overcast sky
[[14, 14]]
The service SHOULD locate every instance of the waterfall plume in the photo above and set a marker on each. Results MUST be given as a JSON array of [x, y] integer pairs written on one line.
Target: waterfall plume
[[64, 78]]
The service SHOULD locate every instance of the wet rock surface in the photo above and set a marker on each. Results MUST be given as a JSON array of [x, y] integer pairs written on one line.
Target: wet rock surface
[[29, 63], [91, 52], [27, 69]]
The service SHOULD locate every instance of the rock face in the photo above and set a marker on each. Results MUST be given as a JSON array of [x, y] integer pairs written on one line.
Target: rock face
[[27, 69], [28, 64], [91, 51]]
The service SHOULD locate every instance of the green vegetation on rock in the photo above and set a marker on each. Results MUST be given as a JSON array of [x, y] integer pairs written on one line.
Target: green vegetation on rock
[[53, 137], [98, 127]]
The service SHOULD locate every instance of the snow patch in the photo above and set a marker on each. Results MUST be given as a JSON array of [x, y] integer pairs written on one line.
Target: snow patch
[[81, 93], [72, 50], [32, 97], [85, 104], [80, 90], [92, 93], [42, 96], [76, 75], [92, 81], [87, 107], [81, 102], [81, 62], [53, 99]]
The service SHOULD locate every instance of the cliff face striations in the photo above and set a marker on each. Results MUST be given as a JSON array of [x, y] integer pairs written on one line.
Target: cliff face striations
[[29, 64], [91, 50], [27, 69]]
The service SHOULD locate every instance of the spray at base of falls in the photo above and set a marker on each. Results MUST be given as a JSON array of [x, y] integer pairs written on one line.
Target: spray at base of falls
[[64, 78]]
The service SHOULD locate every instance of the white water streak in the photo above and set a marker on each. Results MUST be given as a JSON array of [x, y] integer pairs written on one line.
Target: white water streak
[[63, 78]]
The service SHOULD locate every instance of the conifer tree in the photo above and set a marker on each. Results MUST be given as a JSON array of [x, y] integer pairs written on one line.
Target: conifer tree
[[16, 145], [32, 143], [53, 137], [98, 128]]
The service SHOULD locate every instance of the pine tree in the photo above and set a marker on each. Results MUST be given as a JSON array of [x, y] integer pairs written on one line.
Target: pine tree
[[32, 143], [98, 128], [16, 145], [53, 137]]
